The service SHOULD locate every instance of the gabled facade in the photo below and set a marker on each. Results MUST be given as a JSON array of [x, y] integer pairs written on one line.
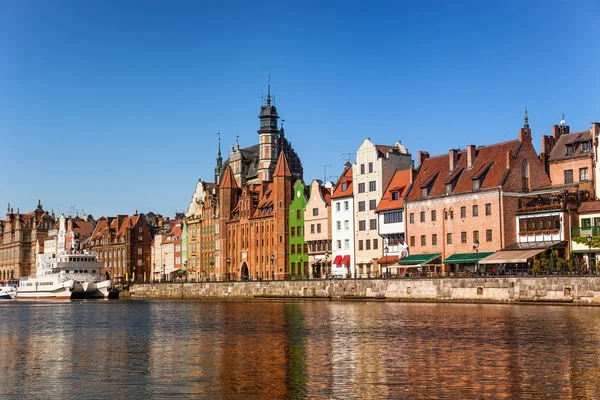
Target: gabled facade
[[298, 248], [317, 230], [375, 165], [342, 226], [466, 202]]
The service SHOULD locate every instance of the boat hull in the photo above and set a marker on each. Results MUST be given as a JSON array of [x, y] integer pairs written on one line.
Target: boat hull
[[54, 290]]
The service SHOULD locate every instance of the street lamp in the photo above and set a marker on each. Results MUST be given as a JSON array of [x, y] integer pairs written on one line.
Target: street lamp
[[227, 271], [164, 276], [385, 251], [272, 267], [12, 271], [154, 271], [589, 240], [476, 248]]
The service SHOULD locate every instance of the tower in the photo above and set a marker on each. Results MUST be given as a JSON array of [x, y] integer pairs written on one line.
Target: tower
[[219, 167], [282, 183], [228, 198], [268, 138]]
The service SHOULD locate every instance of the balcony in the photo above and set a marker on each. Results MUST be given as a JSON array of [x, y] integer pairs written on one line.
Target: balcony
[[584, 231]]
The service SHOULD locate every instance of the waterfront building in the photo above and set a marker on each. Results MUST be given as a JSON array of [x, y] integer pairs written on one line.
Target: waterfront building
[[21, 239], [298, 248], [123, 244], [375, 165], [463, 206], [79, 232], [184, 246], [391, 227], [317, 230], [342, 225], [585, 236]]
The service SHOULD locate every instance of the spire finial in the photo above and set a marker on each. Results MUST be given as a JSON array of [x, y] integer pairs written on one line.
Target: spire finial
[[237, 142], [562, 121], [269, 92], [526, 125], [219, 136]]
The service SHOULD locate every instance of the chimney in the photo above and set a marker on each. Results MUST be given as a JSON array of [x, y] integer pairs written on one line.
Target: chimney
[[525, 135], [453, 159], [471, 153], [508, 157], [558, 130], [423, 155], [595, 131]]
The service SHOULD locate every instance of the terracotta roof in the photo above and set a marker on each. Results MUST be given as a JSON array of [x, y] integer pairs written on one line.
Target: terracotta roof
[[399, 183], [83, 227], [345, 178], [326, 193], [228, 181], [490, 164], [589, 207], [559, 151], [382, 150], [282, 168]]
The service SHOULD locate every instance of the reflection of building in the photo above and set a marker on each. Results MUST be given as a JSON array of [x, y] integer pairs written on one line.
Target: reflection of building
[[390, 211], [462, 206], [342, 225], [21, 239], [375, 165], [317, 229], [123, 244]]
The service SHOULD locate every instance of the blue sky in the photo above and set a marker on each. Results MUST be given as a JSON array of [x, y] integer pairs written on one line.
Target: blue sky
[[114, 106]]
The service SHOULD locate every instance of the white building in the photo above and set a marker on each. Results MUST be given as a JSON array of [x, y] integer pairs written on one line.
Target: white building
[[162, 257], [375, 165], [342, 226]]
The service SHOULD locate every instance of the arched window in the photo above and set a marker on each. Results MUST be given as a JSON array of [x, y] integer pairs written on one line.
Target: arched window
[[525, 174]]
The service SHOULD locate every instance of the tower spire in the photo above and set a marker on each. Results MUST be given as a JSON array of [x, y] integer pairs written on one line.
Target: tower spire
[[269, 92], [526, 125]]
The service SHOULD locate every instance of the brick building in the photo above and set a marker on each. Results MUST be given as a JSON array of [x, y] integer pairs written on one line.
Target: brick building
[[21, 239], [462, 206], [123, 244]]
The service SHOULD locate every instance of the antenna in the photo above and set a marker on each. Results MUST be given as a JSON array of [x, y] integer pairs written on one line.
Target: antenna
[[325, 171], [71, 209], [348, 157]]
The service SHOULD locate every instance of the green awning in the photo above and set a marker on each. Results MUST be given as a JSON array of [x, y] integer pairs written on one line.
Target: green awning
[[418, 259], [466, 258]]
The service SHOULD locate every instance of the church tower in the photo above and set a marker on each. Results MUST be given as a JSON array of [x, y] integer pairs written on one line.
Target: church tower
[[268, 138], [219, 167], [282, 188]]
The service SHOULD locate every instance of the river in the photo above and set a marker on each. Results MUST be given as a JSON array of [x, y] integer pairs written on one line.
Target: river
[[296, 350]]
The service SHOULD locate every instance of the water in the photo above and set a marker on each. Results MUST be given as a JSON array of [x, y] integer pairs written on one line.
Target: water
[[295, 350]]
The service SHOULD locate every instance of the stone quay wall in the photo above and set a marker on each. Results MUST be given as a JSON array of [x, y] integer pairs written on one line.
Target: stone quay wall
[[526, 289]]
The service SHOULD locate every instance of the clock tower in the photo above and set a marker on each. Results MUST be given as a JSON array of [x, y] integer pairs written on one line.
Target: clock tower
[[268, 138]]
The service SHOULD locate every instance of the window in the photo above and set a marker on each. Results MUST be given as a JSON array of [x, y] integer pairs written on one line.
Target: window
[[338, 225], [140, 229], [346, 206], [449, 188], [362, 168], [476, 183], [315, 212], [569, 149], [312, 228], [318, 228], [463, 237], [488, 209], [293, 233], [596, 221], [586, 222], [337, 206], [298, 214], [423, 240], [347, 244], [362, 225], [585, 147], [525, 175], [424, 192], [292, 249], [299, 231], [392, 217], [344, 186], [412, 218], [139, 252], [361, 188], [475, 210], [568, 176], [488, 235], [339, 244], [434, 240], [361, 206], [475, 236], [370, 167], [373, 224], [375, 244], [449, 238], [367, 244], [583, 174], [395, 195], [412, 241], [433, 216], [372, 204], [463, 212], [360, 245], [346, 225], [372, 186], [422, 216]]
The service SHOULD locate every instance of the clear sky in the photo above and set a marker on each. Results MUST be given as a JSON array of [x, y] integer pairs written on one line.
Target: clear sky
[[114, 106]]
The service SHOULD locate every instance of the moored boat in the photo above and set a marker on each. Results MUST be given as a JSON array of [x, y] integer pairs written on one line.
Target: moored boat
[[8, 290]]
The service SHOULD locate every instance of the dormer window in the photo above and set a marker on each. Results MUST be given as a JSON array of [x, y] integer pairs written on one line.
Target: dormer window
[[424, 192], [476, 184], [395, 195], [569, 149], [449, 188], [344, 186], [585, 147]]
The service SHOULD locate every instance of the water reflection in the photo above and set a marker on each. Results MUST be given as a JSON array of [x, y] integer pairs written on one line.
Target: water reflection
[[263, 350]]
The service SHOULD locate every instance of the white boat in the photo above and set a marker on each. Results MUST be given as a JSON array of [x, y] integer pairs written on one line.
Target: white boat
[[8, 290], [65, 276]]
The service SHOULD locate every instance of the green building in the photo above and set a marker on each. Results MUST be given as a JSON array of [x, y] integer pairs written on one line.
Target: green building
[[298, 250]]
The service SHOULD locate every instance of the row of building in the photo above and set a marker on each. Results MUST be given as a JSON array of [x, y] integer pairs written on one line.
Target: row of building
[[496, 207]]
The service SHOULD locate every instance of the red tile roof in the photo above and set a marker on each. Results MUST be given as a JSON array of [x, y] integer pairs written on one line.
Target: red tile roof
[[282, 168], [345, 178], [559, 151], [589, 207], [228, 181], [399, 183]]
